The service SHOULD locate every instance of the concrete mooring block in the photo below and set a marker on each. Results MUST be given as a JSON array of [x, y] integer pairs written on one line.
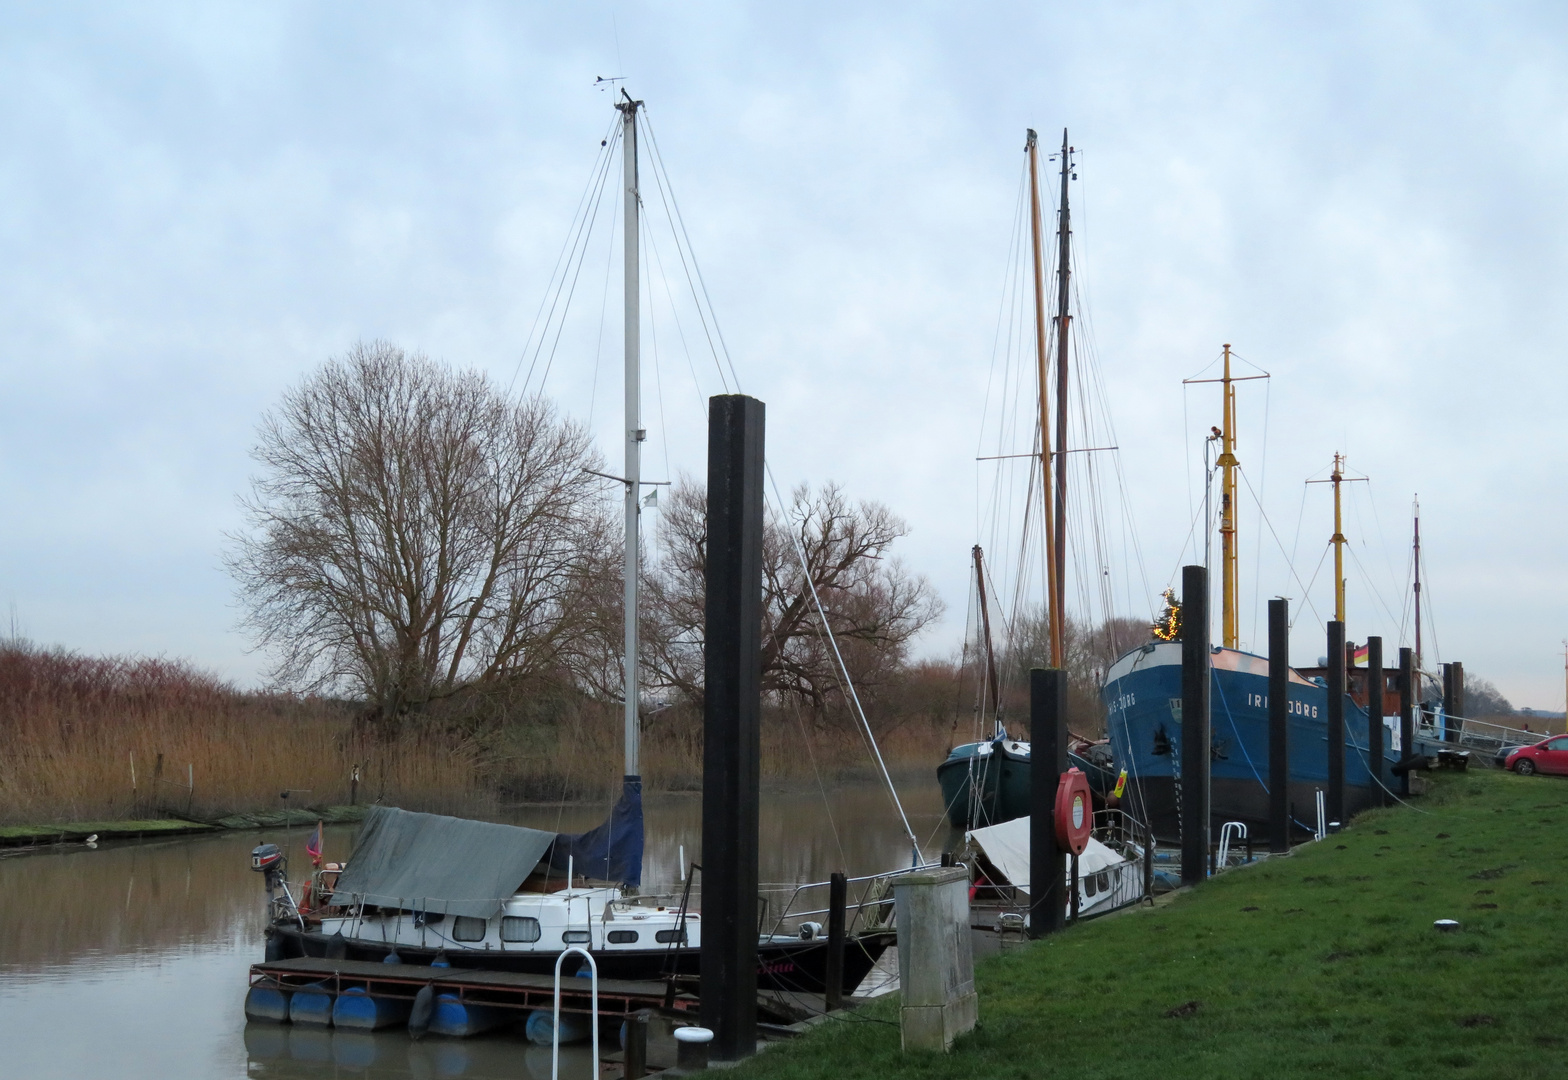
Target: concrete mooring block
[[936, 960]]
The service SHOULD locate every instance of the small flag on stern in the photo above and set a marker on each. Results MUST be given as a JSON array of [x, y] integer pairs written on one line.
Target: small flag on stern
[[1121, 785], [313, 846]]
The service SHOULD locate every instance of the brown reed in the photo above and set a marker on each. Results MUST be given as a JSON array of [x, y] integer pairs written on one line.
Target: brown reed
[[75, 730]]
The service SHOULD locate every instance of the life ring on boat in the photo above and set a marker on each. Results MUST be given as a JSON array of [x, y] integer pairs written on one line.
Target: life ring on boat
[[1074, 815]]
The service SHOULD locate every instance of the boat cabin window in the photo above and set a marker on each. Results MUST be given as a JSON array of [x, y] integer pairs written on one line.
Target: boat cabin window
[[1090, 887], [664, 937], [519, 928], [576, 937], [622, 937], [468, 928], [1104, 878]]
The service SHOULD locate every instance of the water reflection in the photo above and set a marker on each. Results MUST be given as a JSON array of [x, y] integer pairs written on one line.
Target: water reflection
[[130, 960]]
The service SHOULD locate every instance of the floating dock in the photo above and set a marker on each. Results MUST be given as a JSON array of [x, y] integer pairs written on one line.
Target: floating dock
[[274, 985]]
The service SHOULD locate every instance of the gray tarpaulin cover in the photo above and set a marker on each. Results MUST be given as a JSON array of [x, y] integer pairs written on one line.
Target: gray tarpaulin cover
[[429, 862]]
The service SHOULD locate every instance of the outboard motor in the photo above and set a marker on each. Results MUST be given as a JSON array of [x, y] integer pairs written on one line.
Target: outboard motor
[[269, 859]]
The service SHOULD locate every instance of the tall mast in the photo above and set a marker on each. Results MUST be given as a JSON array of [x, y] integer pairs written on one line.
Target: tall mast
[[634, 430], [985, 628], [1418, 580], [1230, 582], [1063, 321], [1338, 540], [1053, 596]]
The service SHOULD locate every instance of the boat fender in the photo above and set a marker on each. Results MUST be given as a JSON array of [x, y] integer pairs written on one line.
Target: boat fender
[[392, 957], [810, 931], [1074, 820], [337, 947], [419, 1016], [441, 959]]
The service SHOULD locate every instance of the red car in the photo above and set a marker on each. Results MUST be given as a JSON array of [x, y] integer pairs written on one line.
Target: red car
[[1547, 756]]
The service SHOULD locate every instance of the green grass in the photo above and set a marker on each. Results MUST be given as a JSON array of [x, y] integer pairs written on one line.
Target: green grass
[[1321, 964]]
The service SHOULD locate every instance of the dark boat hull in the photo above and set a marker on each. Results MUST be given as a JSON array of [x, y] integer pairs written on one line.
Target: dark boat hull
[[790, 965], [987, 788]]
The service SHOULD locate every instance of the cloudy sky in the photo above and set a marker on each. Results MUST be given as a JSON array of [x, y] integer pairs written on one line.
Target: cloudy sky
[[198, 204]]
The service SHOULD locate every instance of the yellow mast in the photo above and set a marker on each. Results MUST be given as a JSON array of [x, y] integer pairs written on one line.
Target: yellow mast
[[1053, 597], [1230, 586], [1338, 540]]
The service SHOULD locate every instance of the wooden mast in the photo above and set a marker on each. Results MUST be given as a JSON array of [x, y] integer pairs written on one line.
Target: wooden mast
[[985, 628], [1063, 322], [1053, 596]]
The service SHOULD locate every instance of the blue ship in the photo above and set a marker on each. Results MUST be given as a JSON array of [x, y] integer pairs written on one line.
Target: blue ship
[[1142, 698]]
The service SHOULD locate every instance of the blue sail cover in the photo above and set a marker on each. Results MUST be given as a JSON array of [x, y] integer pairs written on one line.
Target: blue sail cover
[[612, 851]]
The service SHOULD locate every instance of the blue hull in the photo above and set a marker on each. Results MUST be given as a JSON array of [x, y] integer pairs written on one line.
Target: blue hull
[[1142, 696]]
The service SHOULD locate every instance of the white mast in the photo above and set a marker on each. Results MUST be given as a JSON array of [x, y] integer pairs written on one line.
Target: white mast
[[634, 430]]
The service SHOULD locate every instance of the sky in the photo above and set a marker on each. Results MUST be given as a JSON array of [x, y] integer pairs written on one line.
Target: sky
[[201, 203]]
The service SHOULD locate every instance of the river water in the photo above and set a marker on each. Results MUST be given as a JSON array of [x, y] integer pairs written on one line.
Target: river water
[[130, 961]]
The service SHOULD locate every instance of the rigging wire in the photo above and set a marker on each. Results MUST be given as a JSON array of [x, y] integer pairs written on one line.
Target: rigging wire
[[573, 251]]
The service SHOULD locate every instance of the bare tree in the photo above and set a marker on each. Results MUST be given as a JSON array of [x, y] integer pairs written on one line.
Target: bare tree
[[1088, 653], [413, 532], [874, 605]]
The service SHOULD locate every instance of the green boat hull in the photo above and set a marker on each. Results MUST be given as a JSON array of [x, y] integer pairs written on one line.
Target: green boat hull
[[987, 783]]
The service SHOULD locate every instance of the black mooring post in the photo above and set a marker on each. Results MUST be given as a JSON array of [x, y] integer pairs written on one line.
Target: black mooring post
[[1074, 893], [1407, 716], [1336, 722], [732, 700], [1279, 726], [1194, 724], [1378, 793], [1458, 727], [838, 899], [1450, 730], [1048, 754]]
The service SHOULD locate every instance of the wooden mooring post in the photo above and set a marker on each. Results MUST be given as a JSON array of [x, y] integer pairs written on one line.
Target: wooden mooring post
[[1194, 781], [732, 702], [838, 900]]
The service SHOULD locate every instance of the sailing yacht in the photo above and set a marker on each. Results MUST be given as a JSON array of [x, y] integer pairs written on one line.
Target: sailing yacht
[[987, 781], [425, 888]]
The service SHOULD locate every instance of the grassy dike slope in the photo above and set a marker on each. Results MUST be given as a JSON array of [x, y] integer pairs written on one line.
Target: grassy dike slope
[[1321, 964]]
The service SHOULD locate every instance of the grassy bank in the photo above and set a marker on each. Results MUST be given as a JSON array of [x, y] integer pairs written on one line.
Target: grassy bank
[[1323, 963]]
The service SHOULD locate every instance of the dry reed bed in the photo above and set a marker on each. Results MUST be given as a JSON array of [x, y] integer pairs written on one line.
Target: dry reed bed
[[73, 729]]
